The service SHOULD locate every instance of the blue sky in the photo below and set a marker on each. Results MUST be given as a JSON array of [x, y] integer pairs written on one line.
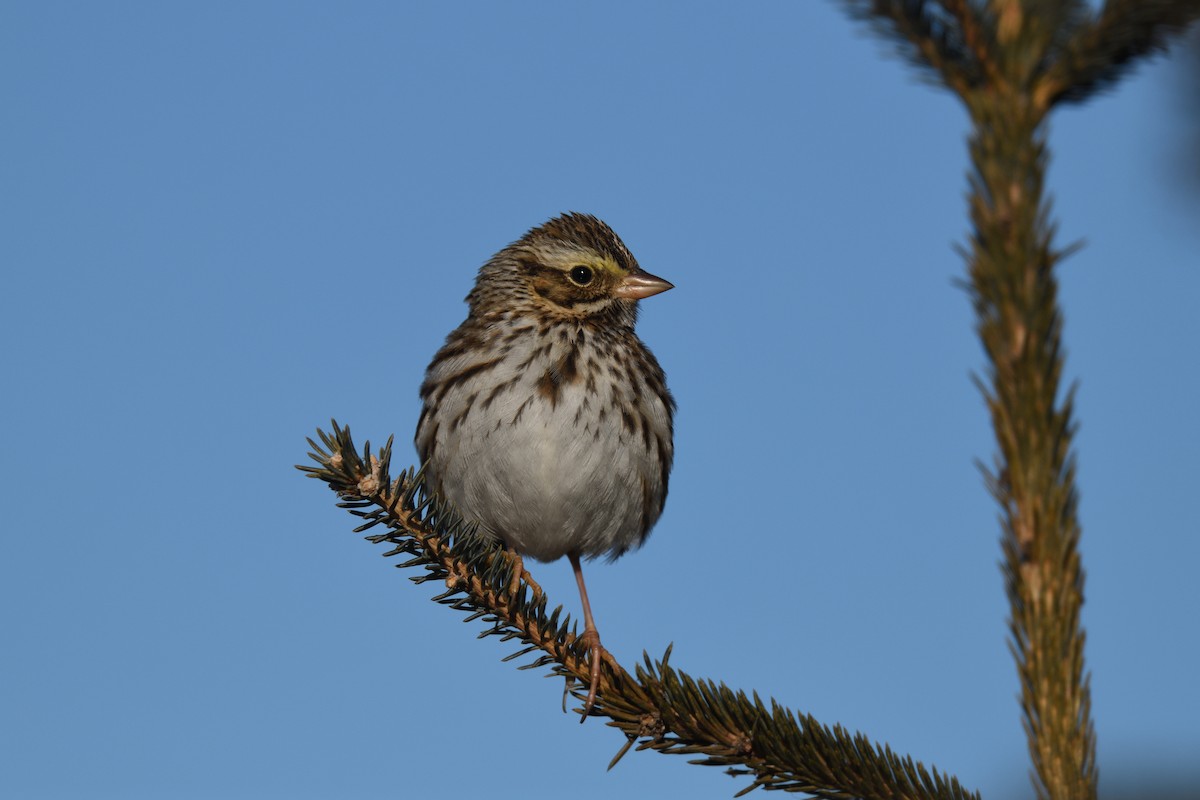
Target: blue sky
[[224, 223]]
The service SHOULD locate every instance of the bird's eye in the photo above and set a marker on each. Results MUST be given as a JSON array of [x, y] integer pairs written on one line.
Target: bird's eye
[[581, 275]]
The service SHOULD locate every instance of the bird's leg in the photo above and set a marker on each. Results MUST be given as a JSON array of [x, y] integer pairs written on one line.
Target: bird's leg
[[591, 636], [519, 572]]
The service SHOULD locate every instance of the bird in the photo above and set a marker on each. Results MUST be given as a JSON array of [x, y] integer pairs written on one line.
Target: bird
[[544, 418]]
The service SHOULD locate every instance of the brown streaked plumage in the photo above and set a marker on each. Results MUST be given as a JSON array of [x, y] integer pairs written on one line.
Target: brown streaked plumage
[[545, 418]]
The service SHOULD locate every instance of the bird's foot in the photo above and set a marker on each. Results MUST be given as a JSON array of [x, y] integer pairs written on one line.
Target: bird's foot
[[597, 653], [519, 573]]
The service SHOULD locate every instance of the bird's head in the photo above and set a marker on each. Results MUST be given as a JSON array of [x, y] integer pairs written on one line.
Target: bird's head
[[572, 267]]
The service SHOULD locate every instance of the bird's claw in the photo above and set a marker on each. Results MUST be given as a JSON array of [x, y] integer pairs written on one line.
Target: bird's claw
[[519, 573], [597, 653]]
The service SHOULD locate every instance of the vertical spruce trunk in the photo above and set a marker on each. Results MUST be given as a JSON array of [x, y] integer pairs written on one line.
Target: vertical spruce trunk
[[1019, 322]]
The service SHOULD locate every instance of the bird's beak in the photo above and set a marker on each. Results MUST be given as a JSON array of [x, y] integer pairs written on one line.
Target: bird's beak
[[639, 285]]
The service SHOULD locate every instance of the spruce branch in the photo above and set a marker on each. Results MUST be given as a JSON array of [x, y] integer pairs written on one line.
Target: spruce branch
[[946, 38], [1107, 45], [658, 707], [1038, 51], [977, 34], [1011, 261]]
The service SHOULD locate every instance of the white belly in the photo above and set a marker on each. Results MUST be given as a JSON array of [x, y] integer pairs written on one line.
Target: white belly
[[545, 484], [552, 476]]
